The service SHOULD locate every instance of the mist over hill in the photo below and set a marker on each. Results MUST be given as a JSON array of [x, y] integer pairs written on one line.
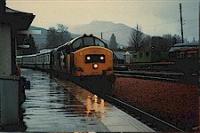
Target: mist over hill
[[121, 31]]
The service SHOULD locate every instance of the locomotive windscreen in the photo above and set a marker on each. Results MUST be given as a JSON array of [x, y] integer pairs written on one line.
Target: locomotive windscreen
[[87, 41]]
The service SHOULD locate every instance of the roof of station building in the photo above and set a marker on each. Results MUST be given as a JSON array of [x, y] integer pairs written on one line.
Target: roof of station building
[[19, 21], [183, 46]]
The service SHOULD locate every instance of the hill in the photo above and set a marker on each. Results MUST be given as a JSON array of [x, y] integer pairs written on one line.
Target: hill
[[121, 31]]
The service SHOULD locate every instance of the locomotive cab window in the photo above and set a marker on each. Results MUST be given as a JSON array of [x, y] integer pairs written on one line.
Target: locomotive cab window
[[88, 41], [100, 43], [78, 43]]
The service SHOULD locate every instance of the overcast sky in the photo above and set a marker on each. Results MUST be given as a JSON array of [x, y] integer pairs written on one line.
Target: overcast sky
[[155, 17]]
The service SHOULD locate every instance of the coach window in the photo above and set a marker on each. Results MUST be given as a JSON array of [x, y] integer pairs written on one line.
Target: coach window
[[48, 58], [99, 43]]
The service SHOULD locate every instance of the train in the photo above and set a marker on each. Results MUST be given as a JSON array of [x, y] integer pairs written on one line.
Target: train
[[84, 56]]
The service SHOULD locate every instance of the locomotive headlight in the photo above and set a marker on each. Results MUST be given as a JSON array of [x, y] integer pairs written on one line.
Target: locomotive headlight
[[95, 66], [88, 58], [101, 58]]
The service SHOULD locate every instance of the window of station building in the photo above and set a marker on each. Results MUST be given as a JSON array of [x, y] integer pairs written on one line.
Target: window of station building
[[193, 53]]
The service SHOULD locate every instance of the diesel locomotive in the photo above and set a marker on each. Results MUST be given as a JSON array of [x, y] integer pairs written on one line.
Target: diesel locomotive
[[84, 56]]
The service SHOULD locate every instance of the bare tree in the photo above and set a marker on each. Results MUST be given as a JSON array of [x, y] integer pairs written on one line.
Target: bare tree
[[136, 39], [177, 39], [52, 38], [62, 28], [57, 36], [172, 39]]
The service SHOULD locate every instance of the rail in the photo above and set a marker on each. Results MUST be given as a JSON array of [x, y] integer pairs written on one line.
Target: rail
[[166, 76], [148, 119]]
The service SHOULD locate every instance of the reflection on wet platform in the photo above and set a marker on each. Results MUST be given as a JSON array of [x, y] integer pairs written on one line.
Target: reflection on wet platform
[[53, 105]]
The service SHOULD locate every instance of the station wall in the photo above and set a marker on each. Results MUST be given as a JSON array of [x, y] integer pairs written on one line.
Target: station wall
[[5, 50]]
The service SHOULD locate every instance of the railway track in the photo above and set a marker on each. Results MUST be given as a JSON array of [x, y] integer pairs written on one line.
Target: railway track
[[148, 119], [164, 76], [152, 75], [155, 123]]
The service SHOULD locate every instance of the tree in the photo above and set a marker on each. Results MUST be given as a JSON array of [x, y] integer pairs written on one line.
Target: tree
[[113, 43], [136, 39], [63, 34], [172, 39], [62, 28], [193, 40], [177, 39], [29, 40], [51, 37], [57, 36]]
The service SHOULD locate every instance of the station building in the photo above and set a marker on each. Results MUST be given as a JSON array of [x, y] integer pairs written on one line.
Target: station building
[[154, 51], [12, 24]]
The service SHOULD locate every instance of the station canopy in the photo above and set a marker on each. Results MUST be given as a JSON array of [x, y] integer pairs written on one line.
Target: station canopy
[[20, 21]]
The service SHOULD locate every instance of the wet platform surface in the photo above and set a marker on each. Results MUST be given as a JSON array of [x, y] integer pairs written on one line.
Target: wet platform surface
[[53, 105]]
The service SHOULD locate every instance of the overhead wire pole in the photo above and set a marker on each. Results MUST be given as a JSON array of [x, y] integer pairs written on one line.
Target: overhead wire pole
[[199, 52], [199, 26], [101, 35], [181, 20], [199, 31]]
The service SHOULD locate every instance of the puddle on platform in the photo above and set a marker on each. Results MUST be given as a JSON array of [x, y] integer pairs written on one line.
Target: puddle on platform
[[53, 107]]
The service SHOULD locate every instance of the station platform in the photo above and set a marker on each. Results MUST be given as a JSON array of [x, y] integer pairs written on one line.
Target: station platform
[[53, 105], [118, 121]]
